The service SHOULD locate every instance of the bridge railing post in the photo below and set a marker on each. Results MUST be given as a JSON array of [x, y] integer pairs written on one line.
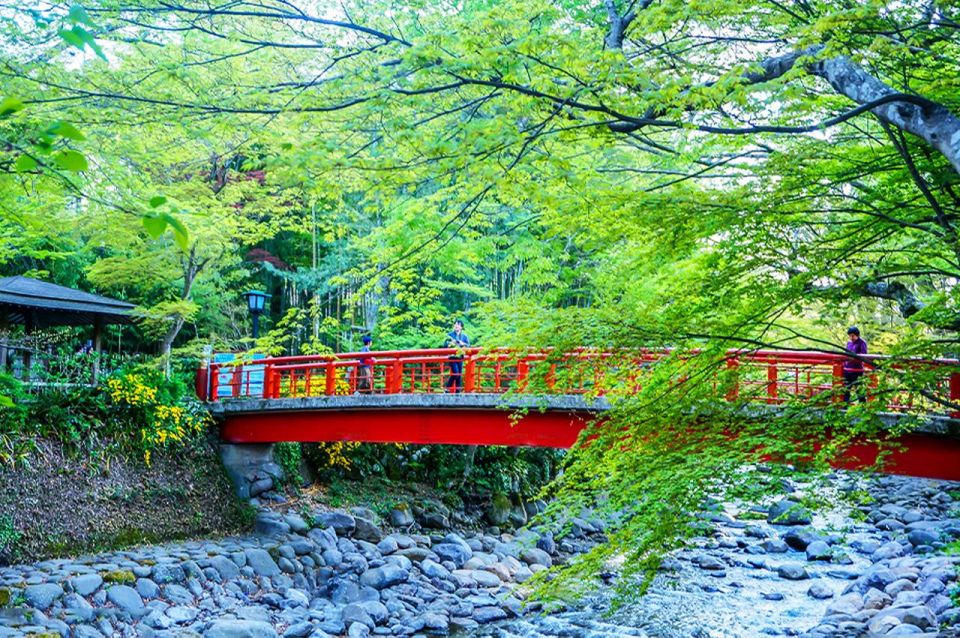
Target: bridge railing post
[[268, 373], [523, 371], [733, 365], [773, 375], [214, 382], [838, 381], [394, 377], [201, 381], [470, 374], [955, 393], [331, 387], [236, 380]]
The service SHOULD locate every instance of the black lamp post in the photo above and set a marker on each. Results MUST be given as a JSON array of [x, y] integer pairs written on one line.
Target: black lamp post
[[255, 303]]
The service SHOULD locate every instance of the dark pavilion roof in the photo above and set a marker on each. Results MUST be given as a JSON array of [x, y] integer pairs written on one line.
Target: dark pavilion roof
[[53, 305]]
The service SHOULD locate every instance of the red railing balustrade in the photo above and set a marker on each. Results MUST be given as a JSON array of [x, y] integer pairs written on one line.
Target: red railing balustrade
[[770, 376]]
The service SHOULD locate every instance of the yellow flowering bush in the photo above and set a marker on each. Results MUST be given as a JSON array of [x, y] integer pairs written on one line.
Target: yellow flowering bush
[[156, 407], [326, 456], [131, 389]]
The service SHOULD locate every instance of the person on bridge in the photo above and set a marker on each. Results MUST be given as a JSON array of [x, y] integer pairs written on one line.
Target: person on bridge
[[365, 368], [456, 338], [853, 367]]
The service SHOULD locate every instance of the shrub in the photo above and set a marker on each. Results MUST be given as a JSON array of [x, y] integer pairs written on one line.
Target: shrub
[[135, 411]]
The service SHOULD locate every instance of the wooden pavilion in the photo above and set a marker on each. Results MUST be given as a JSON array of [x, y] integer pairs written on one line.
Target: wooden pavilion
[[36, 304]]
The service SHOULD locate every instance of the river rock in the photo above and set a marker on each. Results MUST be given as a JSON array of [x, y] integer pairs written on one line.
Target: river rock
[[367, 530], [774, 546], [240, 629], [893, 549], [296, 523], [922, 537], [383, 577], [86, 584], [270, 524], [457, 553], [299, 630], [904, 629], [536, 556], [710, 563], [355, 613], [881, 624], [388, 545], [799, 539], [343, 524], [42, 596], [400, 516], [182, 614], [792, 571], [876, 599], [436, 623], [889, 525], [787, 512], [848, 604], [488, 614], [432, 569], [261, 562], [126, 598], [434, 520], [920, 616], [484, 578], [167, 573], [820, 591], [818, 550]]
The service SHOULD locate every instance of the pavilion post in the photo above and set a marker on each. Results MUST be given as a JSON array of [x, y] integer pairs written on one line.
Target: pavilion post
[[28, 323], [4, 335], [97, 345]]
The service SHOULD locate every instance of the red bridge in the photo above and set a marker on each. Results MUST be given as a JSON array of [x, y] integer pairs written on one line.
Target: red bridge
[[545, 399]]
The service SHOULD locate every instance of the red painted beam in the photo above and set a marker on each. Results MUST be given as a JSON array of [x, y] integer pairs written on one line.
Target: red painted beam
[[923, 455], [397, 425]]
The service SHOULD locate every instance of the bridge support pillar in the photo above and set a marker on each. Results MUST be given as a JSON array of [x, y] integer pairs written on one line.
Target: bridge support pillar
[[251, 468]]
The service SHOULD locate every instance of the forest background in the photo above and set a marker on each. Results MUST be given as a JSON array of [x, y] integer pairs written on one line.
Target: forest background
[[713, 174]]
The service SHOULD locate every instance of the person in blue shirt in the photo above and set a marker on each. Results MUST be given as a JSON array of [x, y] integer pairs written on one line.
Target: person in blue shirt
[[456, 338]]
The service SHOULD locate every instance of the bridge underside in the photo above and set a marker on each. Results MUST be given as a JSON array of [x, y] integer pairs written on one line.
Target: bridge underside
[[475, 420]]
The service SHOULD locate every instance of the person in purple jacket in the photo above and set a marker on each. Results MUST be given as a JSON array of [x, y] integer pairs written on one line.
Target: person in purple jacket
[[853, 368]]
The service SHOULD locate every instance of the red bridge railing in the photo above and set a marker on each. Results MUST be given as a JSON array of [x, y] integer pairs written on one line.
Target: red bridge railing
[[773, 377]]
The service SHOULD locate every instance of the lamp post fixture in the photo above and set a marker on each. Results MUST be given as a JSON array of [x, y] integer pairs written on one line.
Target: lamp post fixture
[[255, 304]]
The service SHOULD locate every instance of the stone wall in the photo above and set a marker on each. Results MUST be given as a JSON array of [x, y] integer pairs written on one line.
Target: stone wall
[[56, 504]]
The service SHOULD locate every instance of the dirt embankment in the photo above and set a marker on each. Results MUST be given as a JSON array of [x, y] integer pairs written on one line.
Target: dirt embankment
[[57, 504]]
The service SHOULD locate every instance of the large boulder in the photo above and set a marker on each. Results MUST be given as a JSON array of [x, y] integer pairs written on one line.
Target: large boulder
[[498, 511], [400, 516], [343, 524], [367, 530]]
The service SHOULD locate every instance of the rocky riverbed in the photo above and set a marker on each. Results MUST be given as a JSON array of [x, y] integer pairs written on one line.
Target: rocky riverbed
[[880, 568]]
